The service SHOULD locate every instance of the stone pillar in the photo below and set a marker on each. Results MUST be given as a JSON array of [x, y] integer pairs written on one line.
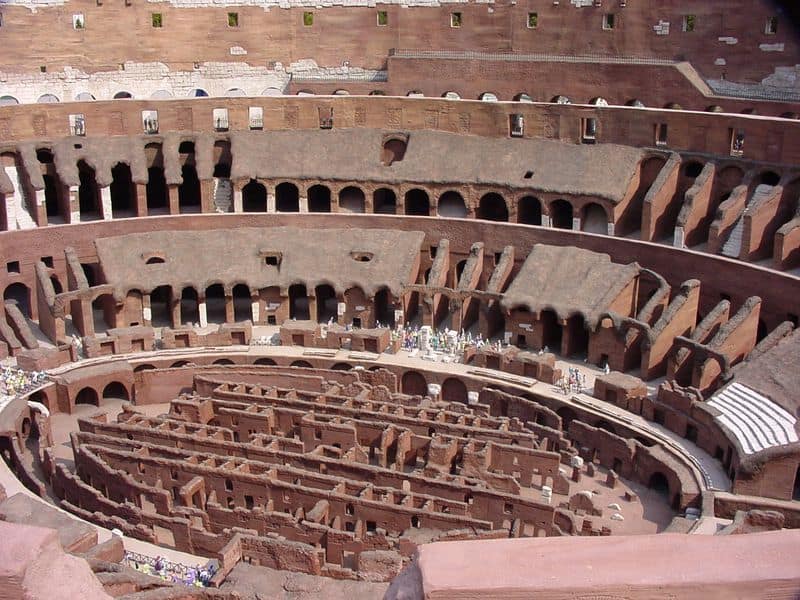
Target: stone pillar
[[41, 208], [270, 202], [141, 200], [303, 200], [147, 313], [237, 199], [230, 313], [576, 223], [611, 229], [546, 222], [174, 205], [207, 195], [74, 215], [678, 238], [8, 209], [203, 313], [175, 310], [255, 308], [105, 203]]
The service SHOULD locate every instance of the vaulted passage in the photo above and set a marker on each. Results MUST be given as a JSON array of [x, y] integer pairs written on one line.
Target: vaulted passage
[[417, 203], [189, 190], [351, 199], [298, 302], [561, 214], [287, 198], [254, 197], [157, 195], [319, 199], [451, 204], [384, 202], [123, 192], [529, 211], [492, 207], [88, 193]]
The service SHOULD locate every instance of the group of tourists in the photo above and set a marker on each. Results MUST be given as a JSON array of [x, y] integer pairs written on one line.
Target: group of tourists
[[14, 381], [172, 572], [572, 382]]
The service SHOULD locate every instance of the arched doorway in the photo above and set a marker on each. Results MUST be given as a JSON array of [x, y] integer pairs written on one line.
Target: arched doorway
[[418, 203], [190, 311], [660, 484], [454, 390], [298, 302], [161, 306], [156, 189], [551, 331], [384, 202], [215, 303], [384, 312], [19, 293], [492, 207], [594, 219], [115, 391], [189, 189], [287, 198], [561, 214], [87, 396], [326, 303], [88, 192], [242, 303], [123, 192], [303, 364], [351, 199], [414, 384], [265, 362], [451, 204], [319, 199], [341, 366], [529, 211], [254, 197]]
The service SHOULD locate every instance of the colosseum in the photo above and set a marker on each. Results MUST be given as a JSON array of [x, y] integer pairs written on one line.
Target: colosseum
[[406, 299]]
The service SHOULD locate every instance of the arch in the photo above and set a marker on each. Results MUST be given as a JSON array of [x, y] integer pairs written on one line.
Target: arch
[[692, 169], [287, 198], [606, 426], [384, 311], [415, 94], [384, 202], [413, 383], [123, 191], [18, 292], [305, 93], [242, 303], [57, 288], [298, 302], [190, 309], [265, 362], [673, 106], [492, 207], [715, 108], [529, 211], [89, 202], [577, 336], [222, 159], [377, 93], [123, 95], [8, 100], [417, 203], [340, 92], [769, 178], [254, 197], [189, 190], [272, 92], [319, 199], [451, 204], [235, 93], [561, 214], [659, 483], [161, 306], [87, 396], [551, 330], [156, 189], [394, 150], [47, 99], [144, 367], [115, 391], [598, 101], [179, 364], [523, 97], [635, 102], [327, 303], [560, 100], [84, 97], [341, 366], [161, 95], [304, 364], [488, 97], [594, 218], [567, 415], [786, 115], [198, 93], [451, 95], [454, 390], [223, 361], [351, 199], [215, 303]]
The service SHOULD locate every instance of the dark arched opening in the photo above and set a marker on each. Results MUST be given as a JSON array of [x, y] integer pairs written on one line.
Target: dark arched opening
[[123, 192], [341, 366], [190, 311], [254, 197], [326, 303], [529, 211], [551, 331], [384, 202], [223, 361], [189, 190], [659, 483], [414, 384], [87, 396], [303, 364], [115, 391], [161, 306], [594, 219], [298, 302], [561, 214], [242, 303], [567, 416], [417, 203], [157, 194], [215, 303], [769, 178], [19, 293], [319, 199], [351, 199], [384, 313], [88, 192], [265, 362], [451, 204], [287, 198], [492, 207], [454, 390]]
